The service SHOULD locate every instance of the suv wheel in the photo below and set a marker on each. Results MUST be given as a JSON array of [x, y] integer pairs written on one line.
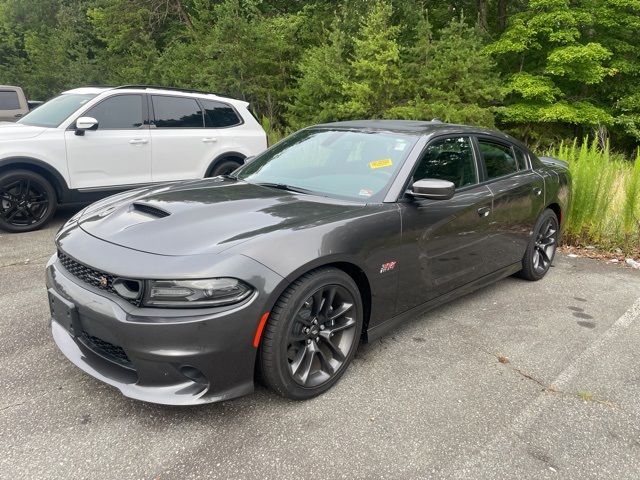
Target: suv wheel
[[224, 167], [27, 201]]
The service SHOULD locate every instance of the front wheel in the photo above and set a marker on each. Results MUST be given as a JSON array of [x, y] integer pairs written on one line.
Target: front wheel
[[312, 334], [542, 247], [27, 201]]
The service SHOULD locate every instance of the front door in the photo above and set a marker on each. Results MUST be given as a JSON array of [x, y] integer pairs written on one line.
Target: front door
[[444, 239], [118, 152]]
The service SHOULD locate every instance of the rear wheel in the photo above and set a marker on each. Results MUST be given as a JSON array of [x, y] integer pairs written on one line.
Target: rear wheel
[[27, 201], [312, 334], [542, 247], [225, 167]]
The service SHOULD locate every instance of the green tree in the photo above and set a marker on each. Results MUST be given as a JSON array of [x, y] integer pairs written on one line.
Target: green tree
[[319, 93], [564, 62], [449, 77], [375, 76]]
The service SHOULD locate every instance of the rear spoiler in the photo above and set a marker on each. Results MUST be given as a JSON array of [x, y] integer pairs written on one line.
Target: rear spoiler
[[554, 162]]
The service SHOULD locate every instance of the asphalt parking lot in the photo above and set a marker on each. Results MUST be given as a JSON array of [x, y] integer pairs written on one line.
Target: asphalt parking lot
[[518, 380]]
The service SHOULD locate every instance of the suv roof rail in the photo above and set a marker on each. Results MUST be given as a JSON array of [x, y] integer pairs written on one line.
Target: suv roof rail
[[160, 87]]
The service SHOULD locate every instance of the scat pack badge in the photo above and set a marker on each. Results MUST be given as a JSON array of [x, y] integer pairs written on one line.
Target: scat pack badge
[[387, 267]]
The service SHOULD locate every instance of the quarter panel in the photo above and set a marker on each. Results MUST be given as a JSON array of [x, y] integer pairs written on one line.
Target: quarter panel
[[516, 207]]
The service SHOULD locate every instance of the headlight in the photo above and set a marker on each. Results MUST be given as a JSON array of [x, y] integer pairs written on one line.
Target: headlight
[[195, 293]]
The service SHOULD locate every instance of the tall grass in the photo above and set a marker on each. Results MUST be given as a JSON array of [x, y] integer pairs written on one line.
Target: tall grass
[[605, 211]]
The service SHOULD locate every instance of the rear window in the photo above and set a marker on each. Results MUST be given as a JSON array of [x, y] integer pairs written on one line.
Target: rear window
[[9, 100], [219, 115], [498, 159], [177, 112]]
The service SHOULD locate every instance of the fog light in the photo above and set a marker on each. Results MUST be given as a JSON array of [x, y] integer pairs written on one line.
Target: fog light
[[193, 374]]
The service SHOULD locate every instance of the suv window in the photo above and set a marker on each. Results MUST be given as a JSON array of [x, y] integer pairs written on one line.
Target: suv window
[[118, 112], [448, 159], [9, 100], [498, 159], [176, 112], [219, 115]]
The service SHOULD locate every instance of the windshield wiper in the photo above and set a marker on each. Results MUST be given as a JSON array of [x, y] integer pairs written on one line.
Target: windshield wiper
[[284, 186]]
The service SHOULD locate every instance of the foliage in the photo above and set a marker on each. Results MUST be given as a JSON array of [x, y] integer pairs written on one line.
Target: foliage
[[605, 210], [545, 70]]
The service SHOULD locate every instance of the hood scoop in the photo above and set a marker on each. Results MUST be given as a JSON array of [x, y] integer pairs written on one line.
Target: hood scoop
[[149, 210]]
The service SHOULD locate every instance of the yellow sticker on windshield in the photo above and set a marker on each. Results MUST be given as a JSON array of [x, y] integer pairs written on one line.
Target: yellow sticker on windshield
[[385, 162]]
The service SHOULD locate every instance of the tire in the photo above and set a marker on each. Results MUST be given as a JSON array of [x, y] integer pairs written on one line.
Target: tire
[[224, 167], [27, 201], [326, 347], [541, 248]]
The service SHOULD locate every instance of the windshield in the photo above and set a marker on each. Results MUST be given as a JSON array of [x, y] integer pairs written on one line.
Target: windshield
[[56, 110], [352, 164]]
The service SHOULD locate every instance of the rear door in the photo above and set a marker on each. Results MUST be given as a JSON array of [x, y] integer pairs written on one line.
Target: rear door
[[118, 152], [518, 200], [445, 239], [184, 143]]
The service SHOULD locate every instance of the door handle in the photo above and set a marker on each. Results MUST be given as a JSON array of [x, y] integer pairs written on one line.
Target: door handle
[[209, 140], [138, 141], [484, 211], [17, 115], [537, 190]]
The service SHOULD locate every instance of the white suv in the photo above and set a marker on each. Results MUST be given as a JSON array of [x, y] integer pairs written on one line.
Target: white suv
[[91, 142]]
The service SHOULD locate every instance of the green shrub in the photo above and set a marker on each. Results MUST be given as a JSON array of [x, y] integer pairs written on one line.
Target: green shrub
[[605, 210]]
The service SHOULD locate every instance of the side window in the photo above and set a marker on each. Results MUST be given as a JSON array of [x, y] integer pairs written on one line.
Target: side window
[[219, 115], [448, 159], [176, 112], [521, 158], [9, 100], [498, 159], [119, 112]]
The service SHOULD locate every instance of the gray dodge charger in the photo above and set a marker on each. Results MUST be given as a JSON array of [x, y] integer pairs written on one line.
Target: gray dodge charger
[[188, 292]]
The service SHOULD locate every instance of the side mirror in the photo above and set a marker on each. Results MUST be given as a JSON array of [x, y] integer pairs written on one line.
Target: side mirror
[[432, 188], [85, 123]]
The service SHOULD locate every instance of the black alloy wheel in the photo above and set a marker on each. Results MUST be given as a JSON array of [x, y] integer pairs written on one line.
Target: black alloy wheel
[[27, 201], [542, 247], [321, 335], [312, 334], [545, 245]]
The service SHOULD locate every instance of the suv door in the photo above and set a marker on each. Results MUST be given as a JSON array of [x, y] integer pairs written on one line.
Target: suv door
[[13, 104], [118, 152], [445, 238], [518, 199], [184, 142]]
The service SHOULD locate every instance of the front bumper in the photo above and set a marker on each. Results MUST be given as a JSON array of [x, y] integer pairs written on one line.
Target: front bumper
[[166, 356]]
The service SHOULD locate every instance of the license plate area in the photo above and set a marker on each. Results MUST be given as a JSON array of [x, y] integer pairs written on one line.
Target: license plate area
[[64, 312]]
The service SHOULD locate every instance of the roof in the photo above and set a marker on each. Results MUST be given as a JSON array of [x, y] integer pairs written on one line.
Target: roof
[[96, 90], [415, 127]]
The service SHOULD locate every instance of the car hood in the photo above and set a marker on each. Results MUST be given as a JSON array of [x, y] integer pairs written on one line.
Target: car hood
[[18, 131], [203, 216]]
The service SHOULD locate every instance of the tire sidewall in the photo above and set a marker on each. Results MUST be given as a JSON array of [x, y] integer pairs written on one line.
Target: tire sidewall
[[51, 193], [286, 384]]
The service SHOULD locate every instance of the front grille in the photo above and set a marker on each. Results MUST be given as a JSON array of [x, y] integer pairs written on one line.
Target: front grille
[[108, 350], [95, 278]]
